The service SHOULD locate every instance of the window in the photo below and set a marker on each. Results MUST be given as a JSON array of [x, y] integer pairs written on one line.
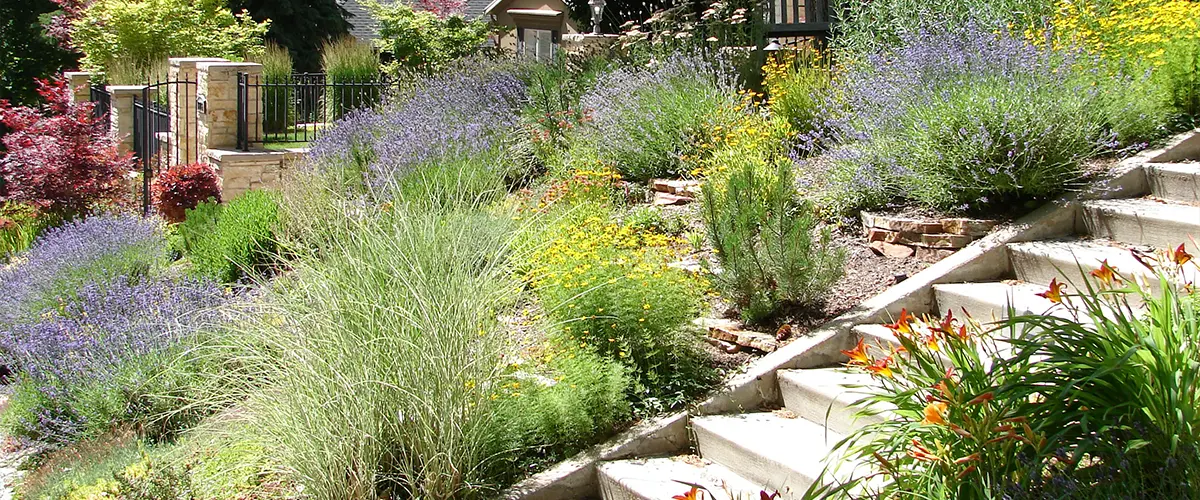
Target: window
[[537, 44]]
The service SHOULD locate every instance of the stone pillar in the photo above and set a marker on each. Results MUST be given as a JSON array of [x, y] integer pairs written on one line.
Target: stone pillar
[[181, 100], [217, 91], [120, 115], [81, 85]]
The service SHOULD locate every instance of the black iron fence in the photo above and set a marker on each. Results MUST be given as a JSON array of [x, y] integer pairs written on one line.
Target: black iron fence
[[165, 130], [296, 109], [103, 103]]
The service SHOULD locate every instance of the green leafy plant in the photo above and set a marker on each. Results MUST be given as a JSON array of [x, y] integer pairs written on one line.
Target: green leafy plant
[[20, 225], [351, 74], [144, 31], [241, 241], [770, 252], [795, 83], [420, 41]]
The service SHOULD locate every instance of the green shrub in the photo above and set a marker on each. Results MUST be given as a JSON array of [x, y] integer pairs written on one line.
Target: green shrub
[[351, 75], [242, 240], [649, 218], [278, 96], [420, 41], [145, 31], [1180, 74], [19, 226], [611, 290], [549, 421], [766, 242], [877, 26]]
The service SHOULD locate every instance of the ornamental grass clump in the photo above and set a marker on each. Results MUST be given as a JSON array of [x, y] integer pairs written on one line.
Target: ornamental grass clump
[[460, 116], [376, 371], [646, 121], [351, 69], [279, 95], [771, 255], [964, 119]]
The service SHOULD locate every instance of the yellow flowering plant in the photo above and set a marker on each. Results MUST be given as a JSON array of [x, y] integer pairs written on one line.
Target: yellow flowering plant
[[608, 288], [794, 82], [1162, 35]]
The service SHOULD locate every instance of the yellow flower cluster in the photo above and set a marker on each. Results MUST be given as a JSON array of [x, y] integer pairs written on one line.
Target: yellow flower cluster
[[1141, 28], [567, 260], [746, 133]]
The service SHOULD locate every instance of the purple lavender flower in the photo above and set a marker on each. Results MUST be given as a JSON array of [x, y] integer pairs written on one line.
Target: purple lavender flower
[[107, 328], [644, 119], [462, 113], [101, 245]]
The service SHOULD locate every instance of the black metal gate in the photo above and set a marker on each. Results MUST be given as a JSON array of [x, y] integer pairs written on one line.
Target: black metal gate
[[103, 103], [166, 130]]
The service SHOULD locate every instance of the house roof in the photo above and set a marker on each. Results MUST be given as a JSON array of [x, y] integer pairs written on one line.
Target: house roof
[[364, 27]]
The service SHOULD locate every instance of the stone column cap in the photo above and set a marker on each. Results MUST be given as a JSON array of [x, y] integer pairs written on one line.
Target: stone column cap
[[193, 61], [126, 89], [73, 74], [228, 65]]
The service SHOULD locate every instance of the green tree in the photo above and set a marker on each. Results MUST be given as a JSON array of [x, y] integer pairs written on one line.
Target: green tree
[[301, 26], [421, 41], [26, 52], [145, 32]]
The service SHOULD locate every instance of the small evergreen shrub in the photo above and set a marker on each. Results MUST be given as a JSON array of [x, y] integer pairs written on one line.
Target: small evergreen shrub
[[241, 242], [183, 187], [770, 253]]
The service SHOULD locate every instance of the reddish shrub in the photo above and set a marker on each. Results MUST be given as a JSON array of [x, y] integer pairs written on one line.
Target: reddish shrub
[[60, 158], [182, 187]]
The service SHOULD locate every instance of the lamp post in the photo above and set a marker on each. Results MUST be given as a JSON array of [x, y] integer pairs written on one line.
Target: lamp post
[[597, 7]]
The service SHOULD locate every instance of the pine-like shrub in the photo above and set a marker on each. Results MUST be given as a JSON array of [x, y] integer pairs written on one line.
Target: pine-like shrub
[[183, 187], [770, 252]]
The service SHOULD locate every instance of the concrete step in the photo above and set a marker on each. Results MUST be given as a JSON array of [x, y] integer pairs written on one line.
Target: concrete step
[[988, 302], [1040, 261], [783, 454], [663, 478], [1143, 222], [876, 336], [821, 395], [1175, 181]]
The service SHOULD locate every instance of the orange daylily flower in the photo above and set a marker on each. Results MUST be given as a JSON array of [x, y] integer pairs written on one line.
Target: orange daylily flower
[[935, 413], [903, 324], [880, 367], [1054, 294], [693, 494], [982, 398], [947, 325], [931, 341], [1180, 256], [1106, 274], [920, 452], [858, 355], [969, 458], [966, 471]]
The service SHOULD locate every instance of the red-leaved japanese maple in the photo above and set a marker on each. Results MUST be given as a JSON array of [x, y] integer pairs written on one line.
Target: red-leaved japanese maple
[[60, 158], [182, 187]]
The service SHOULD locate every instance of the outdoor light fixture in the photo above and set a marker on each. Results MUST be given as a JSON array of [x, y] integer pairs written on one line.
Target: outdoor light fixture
[[773, 46], [597, 12]]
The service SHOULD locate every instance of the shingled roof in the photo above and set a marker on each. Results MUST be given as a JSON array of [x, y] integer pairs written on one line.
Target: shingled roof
[[364, 27]]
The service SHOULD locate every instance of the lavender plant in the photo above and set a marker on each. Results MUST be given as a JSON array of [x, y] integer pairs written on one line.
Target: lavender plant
[[460, 114], [86, 364], [967, 119], [93, 248], [646, 120]]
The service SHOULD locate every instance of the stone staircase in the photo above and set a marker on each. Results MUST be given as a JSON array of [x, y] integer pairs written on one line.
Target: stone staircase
[[737, 455]]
